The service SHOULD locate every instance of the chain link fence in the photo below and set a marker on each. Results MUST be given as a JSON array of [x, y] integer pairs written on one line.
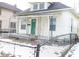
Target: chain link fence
[[53, 47], [57, 46]]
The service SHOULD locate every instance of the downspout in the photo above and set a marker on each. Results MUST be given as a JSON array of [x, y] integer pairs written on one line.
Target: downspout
[[71, 25], [9, 26], [71, 32], [17, 29]]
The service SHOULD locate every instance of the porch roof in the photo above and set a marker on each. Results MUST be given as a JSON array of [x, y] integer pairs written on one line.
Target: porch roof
[[53, 7]]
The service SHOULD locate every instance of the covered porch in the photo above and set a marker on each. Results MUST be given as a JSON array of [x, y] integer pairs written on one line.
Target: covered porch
[[35, 25]]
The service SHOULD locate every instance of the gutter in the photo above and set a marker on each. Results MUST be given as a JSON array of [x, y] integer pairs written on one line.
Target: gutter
[[41, 12]]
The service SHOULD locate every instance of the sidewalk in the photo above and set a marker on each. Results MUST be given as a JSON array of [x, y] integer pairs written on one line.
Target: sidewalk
[[74, 52]]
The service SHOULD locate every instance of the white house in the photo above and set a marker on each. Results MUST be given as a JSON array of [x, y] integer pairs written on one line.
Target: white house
[[47, 19]]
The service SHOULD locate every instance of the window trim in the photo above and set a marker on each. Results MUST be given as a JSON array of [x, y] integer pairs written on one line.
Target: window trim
[[53, 24], [40, 5], [37, 6], [13, 26], [23, 28], [23, 23]]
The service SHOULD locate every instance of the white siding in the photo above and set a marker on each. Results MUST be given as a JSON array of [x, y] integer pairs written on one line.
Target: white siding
[[44, 26], [74, 24], [5, 17], [63, 24], [21, 31]]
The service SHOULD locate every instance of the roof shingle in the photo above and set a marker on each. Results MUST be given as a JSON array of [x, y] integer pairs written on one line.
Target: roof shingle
[[10, 7], [57, 5], [52, 6]]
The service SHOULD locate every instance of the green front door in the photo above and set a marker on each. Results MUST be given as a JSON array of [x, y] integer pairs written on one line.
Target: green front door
[[33, 26]]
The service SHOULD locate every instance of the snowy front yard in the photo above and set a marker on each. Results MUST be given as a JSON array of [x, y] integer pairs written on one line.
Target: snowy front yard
[[74, 51], [7, 49], [20, 51], [52, 51]]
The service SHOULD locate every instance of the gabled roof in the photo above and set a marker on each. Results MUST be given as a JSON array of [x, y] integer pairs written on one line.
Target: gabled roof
[[57, 5], [52, 6], [9, 7]]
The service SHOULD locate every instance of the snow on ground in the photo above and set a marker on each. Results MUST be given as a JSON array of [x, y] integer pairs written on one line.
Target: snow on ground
[[45, 51], [52, 51], [74, 51], [19, 50]]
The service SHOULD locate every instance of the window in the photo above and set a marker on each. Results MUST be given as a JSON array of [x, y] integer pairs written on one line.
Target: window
[[35, 6], [52, 23], [23, 26], [12, 27], [13, 31], [41, 6]]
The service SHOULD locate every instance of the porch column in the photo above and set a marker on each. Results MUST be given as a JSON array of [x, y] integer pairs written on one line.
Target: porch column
[[39, 26], [17, 26], [28, 28]]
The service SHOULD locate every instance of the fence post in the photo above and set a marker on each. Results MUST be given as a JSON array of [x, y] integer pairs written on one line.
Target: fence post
[[14, 51], [38, 50], [76, 38]]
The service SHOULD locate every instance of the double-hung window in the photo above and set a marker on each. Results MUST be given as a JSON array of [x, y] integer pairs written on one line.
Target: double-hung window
[[13, 27], [35, 6], [23, 24], [41, 6], [52, 23]]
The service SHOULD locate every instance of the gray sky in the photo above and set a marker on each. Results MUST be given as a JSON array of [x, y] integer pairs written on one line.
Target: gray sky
[[23, 4]]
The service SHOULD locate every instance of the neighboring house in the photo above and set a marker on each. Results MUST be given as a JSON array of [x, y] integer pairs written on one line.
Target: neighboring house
[[47, 19], [8, 16]]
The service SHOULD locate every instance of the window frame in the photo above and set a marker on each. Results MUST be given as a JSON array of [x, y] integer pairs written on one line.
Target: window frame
[[52, 24], [13, 27], [35, 5], [41, 4], [12, 24], [23, 26]]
